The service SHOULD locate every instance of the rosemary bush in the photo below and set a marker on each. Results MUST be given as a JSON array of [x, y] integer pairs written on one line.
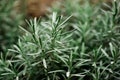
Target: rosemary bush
[[9, 20], [84, 46]]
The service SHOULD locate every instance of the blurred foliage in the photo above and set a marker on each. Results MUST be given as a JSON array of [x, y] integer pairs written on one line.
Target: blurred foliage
[[9, 22]]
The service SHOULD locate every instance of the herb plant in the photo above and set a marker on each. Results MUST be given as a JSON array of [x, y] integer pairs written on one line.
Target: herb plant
[[84, 46], [9, 22]]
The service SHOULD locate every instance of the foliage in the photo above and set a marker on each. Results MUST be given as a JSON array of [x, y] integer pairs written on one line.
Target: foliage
[[9, 20], [84, 46]]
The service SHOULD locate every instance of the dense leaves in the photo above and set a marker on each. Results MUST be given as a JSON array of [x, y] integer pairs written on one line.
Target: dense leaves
[[84, 46]]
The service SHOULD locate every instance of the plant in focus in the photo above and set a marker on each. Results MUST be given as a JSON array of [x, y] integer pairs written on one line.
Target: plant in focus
[[84, 46], [37, 51]]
